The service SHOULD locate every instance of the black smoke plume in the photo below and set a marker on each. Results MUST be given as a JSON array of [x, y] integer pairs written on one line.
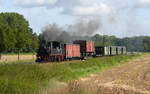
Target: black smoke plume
[[81, 30]]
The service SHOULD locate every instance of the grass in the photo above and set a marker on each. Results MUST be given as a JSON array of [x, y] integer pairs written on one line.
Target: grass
[[16, 78]]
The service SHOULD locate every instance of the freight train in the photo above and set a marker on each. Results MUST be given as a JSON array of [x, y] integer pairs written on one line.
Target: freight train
[[54, 51]]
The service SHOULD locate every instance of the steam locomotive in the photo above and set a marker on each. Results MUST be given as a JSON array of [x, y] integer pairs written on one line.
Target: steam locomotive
[[54, 51]]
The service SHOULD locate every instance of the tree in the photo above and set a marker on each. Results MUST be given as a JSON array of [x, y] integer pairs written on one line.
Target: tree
[[22, 40], [34, 41], [139, 44], [22, 33], [7, 38], [19, 25], [98, 40], [146, 44]]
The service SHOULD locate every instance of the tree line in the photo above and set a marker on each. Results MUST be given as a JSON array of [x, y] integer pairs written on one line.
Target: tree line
[[16, 35], [138, 44]]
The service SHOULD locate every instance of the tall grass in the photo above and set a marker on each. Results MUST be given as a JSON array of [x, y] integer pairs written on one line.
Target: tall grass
[[24, 78]]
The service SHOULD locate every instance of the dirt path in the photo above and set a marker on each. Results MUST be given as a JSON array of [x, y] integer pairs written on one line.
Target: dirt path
[[130, 78]]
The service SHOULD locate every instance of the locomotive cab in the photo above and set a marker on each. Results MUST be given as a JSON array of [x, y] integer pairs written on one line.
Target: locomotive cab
[[55, 47]]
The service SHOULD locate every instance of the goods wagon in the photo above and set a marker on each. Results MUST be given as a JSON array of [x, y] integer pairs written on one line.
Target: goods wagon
[[119, 50], [90, 46], [68, 51], [113, 50], [102, 51], [72, 51], [86, 47], [76, 51], [124, 50], [109, 50]]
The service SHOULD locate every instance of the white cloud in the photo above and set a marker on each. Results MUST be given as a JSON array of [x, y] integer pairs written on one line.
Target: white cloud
[[144, 3], [95, 9], [117, 16], [86, 8], [34, 3], [74, 7]]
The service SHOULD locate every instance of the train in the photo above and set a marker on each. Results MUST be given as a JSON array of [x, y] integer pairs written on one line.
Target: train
[[54, 51]]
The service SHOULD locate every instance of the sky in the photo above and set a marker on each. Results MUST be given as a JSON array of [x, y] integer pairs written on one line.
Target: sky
[[122, 18]]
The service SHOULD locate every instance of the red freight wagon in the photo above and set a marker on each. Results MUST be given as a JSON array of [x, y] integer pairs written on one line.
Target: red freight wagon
[[86, 47], [72, 50], [90, 46], [68, 48], [76, 50]]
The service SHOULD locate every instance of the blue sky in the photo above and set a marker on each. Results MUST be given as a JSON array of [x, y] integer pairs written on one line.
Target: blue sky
[[117, 17]]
